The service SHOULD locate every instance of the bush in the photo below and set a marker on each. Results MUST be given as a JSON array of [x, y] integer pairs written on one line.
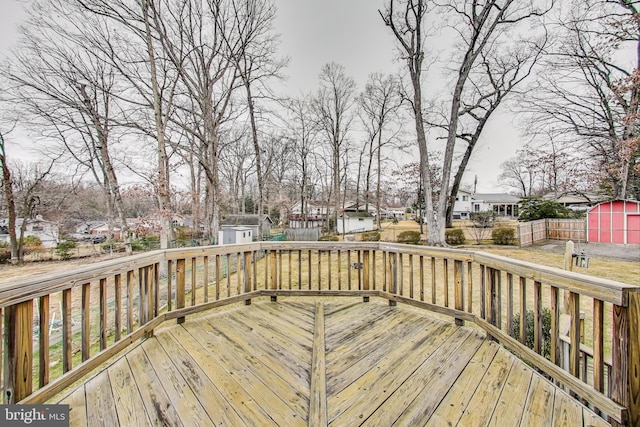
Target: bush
[[328, 238], [5, 255], [503, 236], [32, 242], [454, 236], [370, 236], [65, 249], [545, 345], [410, 237]]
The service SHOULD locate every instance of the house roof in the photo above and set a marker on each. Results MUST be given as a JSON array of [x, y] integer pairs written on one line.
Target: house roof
[[360, 214], [244, 220], [496, 198]]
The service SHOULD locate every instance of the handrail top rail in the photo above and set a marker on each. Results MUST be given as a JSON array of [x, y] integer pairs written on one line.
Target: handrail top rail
[[15, 291]]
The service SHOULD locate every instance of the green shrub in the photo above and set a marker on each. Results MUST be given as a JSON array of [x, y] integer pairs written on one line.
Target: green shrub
[[65, 249], [328, 238], [454, 236], [5, 255], [503, 236], [33, 242], [370, 236], [410, 237], [545, 344]]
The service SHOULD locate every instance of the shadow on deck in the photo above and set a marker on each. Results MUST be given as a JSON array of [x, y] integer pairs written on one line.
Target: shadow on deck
[[320, 362]]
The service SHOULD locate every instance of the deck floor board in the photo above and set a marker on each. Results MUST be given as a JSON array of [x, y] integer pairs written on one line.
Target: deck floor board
[[252, 365]]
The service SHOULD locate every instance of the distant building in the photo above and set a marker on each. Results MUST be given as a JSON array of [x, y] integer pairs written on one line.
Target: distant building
[[249, 221], [355, 222], [315, 214], [233, 235], [47, 231], [503, 204]]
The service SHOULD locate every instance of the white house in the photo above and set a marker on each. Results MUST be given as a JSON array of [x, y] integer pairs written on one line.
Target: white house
[[46, 231], [314, 215], [503, 204], [355, 222]]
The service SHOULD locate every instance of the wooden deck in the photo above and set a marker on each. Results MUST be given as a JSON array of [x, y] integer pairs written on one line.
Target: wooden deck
[[302, 362]]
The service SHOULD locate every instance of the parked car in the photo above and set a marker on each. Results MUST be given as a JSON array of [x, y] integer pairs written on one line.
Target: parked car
[[98, 238]]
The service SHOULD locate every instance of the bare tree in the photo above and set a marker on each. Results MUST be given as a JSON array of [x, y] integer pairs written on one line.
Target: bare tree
[[333, 106], [7, 187], [68, 90], [590, 92], [407, 24], [379, 103]]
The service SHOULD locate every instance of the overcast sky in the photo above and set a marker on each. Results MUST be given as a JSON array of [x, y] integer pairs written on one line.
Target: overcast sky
[[351, 33]]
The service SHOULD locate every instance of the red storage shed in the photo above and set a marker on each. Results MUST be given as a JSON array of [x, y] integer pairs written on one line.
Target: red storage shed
[[617, 221]]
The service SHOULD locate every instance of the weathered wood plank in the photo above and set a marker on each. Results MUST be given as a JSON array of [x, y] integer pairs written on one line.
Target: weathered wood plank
[[43, 341], [101, 408], [127, 399], [566, 411], [156, 402], [538, 410], [219, 410], [416, 399], [182, 398], [508, 411], [77, 407], [231, 382], [346, 407], [485, 399], [318, 394], [452, 407]]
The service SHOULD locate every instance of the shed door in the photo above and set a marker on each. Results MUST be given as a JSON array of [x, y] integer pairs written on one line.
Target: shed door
[[633, 228]]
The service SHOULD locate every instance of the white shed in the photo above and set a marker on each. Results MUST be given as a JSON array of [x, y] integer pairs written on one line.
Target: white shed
[[232, 235], [355, 222]]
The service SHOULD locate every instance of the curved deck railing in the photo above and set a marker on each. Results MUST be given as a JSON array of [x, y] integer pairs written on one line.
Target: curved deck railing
[[584, 331]]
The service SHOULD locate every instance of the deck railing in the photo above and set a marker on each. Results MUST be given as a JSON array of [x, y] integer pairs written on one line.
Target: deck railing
[[584, 331]]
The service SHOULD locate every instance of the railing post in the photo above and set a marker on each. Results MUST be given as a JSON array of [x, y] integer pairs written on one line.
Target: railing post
[[180, 286], [625, 386], [18, 327], [365, 273]]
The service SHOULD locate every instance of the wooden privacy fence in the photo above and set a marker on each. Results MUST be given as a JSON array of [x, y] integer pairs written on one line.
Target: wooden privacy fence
[[60, 327], [533, 232]]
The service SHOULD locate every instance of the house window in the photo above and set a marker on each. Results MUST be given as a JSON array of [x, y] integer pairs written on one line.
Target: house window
[[465, 198], [244, 234], [476, 207], [361, 219], [37, 228]]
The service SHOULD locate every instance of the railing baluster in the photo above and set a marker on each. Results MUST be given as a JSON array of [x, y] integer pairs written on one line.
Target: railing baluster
[[194, 279], [359, 271], [433, 280], [598, 345], [459, 285], [274, 278], [523, 310], [365, 274], [246, 275], [483, 292], [537, 317], [349, 269], [393, 259], [445, 280], [103, 314], [43, 341], [400, 273], [86, 321], [180, 286], [574, 334], [205, 290], [373, 268], [555, 325], [329, 267], [156, 289], [319, 269], [385, 268], [309, 268], [66, 331], [228, 274], [421, 262], [218, 277], [470, 287], [130, 280], [510, 303], [117, 283], [411, 276]]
